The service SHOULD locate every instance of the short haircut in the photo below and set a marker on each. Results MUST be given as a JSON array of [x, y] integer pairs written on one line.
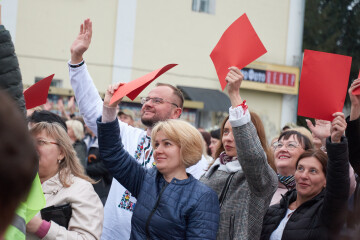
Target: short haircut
[[184, 135], [77, 127], [302, 139], [18, 160], [176, 91], [318, 154], [46, 116]]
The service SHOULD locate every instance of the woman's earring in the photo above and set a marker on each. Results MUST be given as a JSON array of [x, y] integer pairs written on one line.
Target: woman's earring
[[59, 161]]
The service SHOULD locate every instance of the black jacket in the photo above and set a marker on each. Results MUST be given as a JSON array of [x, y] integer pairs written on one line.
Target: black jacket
[[323, 216], [10, 76], [353, 135]]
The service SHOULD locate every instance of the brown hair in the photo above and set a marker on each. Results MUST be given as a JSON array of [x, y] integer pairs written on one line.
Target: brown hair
[[318, 154], [70, 164], [255, 119], [185, 136], [176, 91], [302, 139], [18, 160]]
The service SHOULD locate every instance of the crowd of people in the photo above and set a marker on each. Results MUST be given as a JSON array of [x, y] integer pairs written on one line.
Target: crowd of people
[[103, 178]]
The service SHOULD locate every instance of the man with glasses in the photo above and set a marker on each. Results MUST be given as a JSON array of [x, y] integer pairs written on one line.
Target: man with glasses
[[163, 102]]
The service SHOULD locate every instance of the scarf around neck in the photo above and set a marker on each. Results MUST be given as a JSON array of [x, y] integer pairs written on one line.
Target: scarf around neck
[[288, 181]]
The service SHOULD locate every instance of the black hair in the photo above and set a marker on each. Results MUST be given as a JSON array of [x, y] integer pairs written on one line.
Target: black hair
[[46, 116]]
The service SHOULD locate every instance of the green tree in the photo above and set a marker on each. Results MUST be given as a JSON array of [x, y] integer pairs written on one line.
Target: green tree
[[333, 26]]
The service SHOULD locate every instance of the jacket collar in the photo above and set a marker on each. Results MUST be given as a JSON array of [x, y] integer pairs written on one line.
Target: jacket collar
[[291, 196]]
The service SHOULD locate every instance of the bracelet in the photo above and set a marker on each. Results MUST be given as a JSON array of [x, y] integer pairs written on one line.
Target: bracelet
[[77, 65], [243, 105]]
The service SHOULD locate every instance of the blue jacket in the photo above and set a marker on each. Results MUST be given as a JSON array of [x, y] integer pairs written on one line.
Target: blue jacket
[[181, 209]]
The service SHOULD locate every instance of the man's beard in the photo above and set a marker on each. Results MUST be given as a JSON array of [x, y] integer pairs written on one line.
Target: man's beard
[[150, 123]]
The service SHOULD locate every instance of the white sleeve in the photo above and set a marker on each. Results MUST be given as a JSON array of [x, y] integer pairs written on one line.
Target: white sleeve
[[87, 96], [238, 117]]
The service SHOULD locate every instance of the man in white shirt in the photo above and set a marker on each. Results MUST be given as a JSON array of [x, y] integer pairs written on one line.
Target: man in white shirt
[[163, 102]]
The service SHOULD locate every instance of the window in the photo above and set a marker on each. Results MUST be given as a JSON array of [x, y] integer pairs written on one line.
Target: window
[[54, 83], [205, 6]]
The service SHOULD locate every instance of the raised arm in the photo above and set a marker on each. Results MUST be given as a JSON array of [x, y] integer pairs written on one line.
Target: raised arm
[[337, 178], [86, 94], [261, 178], [120, 164], [353, 128]]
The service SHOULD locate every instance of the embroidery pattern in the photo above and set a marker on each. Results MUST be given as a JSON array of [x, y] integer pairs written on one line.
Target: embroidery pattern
[[125, 202]]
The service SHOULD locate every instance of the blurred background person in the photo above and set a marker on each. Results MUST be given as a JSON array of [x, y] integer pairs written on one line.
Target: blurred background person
[[75, 130], [214, 141], [127, 116], [18, 161]]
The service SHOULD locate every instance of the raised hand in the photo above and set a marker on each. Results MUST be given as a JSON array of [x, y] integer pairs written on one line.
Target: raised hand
[[321, 129], [234, 79], [338, 126], [82, 42], [109, 93], [355, 101]]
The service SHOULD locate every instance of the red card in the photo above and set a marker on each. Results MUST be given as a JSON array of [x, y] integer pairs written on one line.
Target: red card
[[323, 84], [134, 88], [356, 91], [36, 95], [238, 46]]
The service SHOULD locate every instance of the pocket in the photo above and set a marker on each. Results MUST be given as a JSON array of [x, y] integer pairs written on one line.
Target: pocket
[[232, 226]]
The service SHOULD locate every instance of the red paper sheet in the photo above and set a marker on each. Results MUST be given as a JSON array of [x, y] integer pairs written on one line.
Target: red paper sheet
[[134, 88], [356, 91], [238, 46], [323, 84], [36, 95]]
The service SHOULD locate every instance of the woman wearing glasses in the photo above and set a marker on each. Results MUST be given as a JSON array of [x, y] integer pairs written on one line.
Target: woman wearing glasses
[[64, 182], [290, 145], [317, 208]]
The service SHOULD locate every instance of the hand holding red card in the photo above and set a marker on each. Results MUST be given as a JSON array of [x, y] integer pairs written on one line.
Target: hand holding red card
[[134, 88], [323, 84], [356, 91], [36, 95], [238, 46]]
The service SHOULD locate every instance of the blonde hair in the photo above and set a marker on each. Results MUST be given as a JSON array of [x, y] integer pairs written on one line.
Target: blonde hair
[[70, 164], [303, 131], [185, 136], [77, 127]]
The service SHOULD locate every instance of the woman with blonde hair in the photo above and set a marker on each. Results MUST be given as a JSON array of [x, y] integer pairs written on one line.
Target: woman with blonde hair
[[171, 204], [66, 188]]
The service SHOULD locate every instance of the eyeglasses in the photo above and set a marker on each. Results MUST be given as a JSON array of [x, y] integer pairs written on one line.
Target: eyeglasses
[[156, 101], [42, 142], [289, 145]]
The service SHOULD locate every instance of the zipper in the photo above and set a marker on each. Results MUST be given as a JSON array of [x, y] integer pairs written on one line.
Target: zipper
[[225, 189], [154, 210]]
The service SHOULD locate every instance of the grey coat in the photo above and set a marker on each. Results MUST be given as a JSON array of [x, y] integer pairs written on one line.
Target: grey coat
[[250, 190]]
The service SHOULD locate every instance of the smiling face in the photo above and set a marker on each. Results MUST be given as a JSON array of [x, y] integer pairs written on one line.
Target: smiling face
[[287, 155], [167, 155], [228, 140], [152, 113], [310, 178]]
